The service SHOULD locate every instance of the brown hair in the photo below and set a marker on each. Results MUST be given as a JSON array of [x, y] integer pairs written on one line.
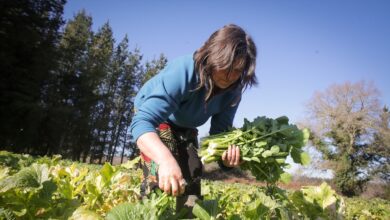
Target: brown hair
[[225, 47]]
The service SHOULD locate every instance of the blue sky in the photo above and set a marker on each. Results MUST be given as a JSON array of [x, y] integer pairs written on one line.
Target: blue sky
[[303, 46]]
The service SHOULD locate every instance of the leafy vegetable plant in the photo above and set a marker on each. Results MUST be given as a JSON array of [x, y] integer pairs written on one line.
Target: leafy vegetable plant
[[264, 145]]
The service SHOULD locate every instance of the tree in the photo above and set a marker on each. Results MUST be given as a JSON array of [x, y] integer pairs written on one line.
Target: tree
[[99, 69], [66, 93], [342, 120], [128, 88], [29, 34], [127, 66], [69, 88], [379, 151], [152, 68]]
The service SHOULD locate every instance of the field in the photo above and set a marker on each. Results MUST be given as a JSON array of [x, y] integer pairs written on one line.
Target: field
[[51, 188]]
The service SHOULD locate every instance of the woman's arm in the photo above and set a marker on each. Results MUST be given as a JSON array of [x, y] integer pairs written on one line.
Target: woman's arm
[[170, 178], [157, 99]]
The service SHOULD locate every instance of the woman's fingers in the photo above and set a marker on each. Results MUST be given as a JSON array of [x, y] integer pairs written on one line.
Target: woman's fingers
[[232, 157], [170, 177], [172, 186], [237, 159], [229, 154], [233, 153], [224, 156], [182, 186], [167, 186], [175, 187], [161, 182]]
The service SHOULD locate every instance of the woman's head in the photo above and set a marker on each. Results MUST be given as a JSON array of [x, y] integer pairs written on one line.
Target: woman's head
[[226, 60]]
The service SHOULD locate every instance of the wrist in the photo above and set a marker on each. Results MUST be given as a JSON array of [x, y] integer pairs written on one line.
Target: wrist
[[152, 146], [166, 159]]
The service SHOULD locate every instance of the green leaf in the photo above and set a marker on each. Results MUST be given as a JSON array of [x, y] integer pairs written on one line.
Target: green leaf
[[28, 177], [260, 143], [130, 164], [200, 212], [44, 197], [267, 201], [252, 209], [3, 172], [275, 149], [20, 212], [129, 211], [82, 213], [282, 120], [121, 212], [246, 159], [306, 135], [92, 189], [285, 178], [6, 214], [66, 190], [260, 207], [107, 171], [7, 184], [305, 158], [299, 156], [324, 195], [266, 153], [255, 159], [317, 201], [211, 207]]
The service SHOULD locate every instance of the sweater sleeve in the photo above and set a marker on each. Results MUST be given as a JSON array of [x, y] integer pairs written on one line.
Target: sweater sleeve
[[162, 99], [222, 121]]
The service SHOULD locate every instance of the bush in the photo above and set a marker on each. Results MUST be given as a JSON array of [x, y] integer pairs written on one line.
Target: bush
[[348, 183]]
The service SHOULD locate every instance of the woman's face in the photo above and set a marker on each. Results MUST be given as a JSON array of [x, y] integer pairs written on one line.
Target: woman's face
[[223, 79]]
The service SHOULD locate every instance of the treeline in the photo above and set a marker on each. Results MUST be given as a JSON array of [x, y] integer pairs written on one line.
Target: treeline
[[64, 88]]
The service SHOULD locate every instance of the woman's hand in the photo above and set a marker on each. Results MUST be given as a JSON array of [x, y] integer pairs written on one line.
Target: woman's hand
[[231, 157], [170, 178]]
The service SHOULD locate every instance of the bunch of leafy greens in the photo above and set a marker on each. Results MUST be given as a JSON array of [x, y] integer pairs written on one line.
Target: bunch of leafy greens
[[264, 146]]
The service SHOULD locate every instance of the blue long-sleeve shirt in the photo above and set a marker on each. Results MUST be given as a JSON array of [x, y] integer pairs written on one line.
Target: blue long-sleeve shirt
[[170, 95]]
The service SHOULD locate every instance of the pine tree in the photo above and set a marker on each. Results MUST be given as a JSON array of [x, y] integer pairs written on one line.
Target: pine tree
[[152, 68], [29, 34], [99, 61], [69, 87], [128, 64]]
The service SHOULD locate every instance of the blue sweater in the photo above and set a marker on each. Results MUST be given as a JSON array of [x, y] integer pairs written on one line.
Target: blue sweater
[[170, 95]]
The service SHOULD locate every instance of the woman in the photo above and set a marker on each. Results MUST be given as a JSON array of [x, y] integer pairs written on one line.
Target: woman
[[184, 95]]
